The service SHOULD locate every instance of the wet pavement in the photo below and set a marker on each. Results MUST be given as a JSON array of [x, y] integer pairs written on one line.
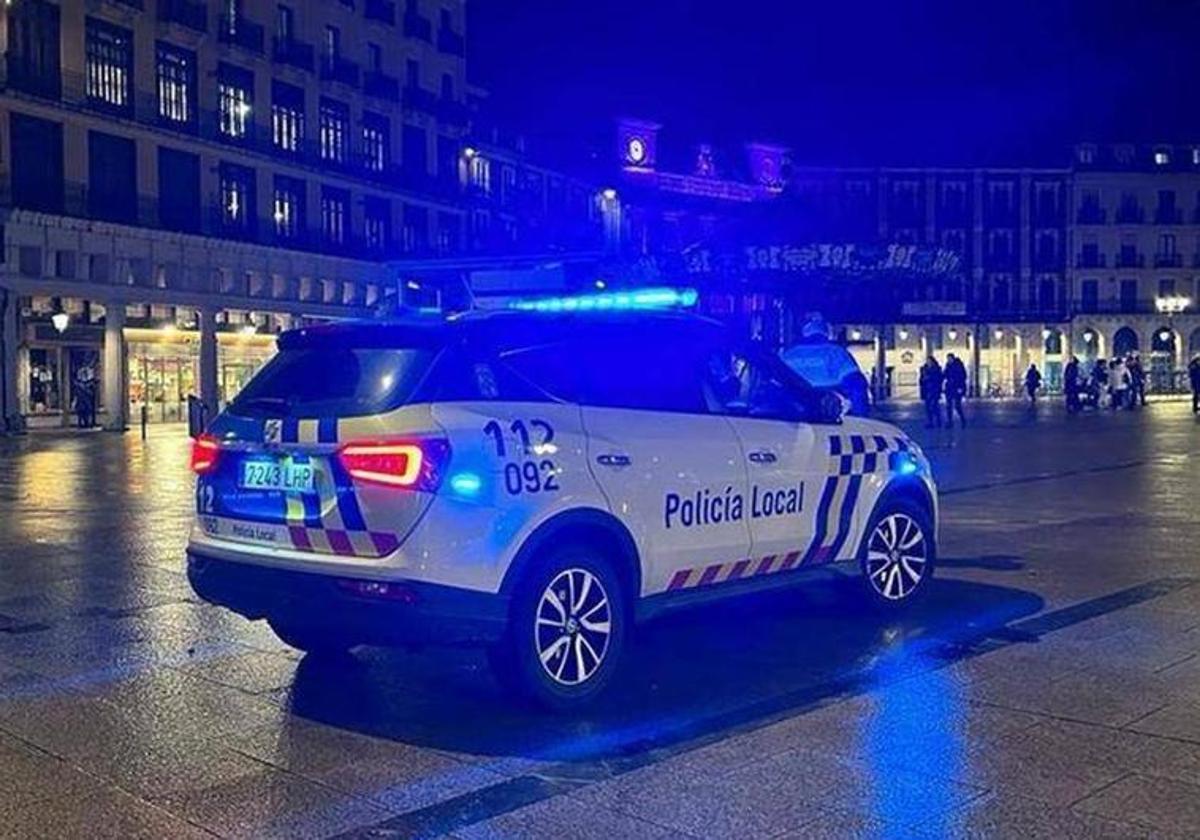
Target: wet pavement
[[1049, 687]]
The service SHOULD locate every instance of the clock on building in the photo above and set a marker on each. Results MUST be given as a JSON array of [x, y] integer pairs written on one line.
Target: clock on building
[[635, 150]]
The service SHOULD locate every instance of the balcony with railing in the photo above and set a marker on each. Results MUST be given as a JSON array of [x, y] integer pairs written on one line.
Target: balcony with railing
[[418, 26], [31, 78], [418, 98], [293, 53], [451, 42], [240, 32], [1129, 258], [1130, 214], [381, 86], [381, 11], [1168, 260], [193, 15], [334, 68]]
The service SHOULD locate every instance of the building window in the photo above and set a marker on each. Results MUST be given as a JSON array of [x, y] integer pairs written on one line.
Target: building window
[[287, 116], [235, 100], [447, 86], [412, 72], [335, 129], [109, 64], [333, 44], [375, 58], [375, 141], [377, 223], [1161, 157], [1166, 287], [237, 197], [335, 215], [288, 207], [1089, 295], [176, 84], [285, 24]]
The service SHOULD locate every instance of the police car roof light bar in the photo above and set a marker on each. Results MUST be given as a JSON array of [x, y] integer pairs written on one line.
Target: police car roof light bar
[[651, 298]]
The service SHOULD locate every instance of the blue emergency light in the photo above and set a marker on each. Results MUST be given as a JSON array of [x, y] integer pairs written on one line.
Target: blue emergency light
[[653, 298]]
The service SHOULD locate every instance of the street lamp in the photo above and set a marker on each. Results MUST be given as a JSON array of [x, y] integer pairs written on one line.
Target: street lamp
[[61, 320], [608, 194], [1172, 304]]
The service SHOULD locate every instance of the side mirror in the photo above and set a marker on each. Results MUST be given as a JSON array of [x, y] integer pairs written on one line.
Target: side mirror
[[196, 411]]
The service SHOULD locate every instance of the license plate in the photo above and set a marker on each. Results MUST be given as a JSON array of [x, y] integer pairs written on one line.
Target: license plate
[[278, 475]]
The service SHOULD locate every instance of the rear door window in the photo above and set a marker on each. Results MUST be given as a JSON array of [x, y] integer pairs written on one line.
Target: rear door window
[[661, 376], [326, 381]]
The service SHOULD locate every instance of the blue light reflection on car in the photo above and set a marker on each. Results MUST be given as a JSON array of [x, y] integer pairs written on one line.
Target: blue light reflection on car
[[655, 298]]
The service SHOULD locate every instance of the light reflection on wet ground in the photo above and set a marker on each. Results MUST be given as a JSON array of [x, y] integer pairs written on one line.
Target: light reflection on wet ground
[[1022, 697]]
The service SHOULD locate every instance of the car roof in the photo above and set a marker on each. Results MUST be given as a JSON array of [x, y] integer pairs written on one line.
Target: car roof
[[498, 328]]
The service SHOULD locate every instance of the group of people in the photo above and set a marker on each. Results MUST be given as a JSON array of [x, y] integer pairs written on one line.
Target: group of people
[[950, 380], [1117, 383], [1120, 382]]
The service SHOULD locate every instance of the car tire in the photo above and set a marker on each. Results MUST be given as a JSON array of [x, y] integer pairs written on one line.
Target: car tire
[[311, 639], [897, 555], [566, 632]]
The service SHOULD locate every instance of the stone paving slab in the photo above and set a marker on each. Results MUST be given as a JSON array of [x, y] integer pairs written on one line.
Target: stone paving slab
[[128, 708]]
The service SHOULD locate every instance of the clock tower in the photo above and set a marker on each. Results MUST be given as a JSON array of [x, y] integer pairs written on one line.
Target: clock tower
[[637, 143]]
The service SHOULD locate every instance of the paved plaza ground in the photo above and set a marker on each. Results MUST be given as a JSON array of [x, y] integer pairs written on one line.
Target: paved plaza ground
[[1049, 687]]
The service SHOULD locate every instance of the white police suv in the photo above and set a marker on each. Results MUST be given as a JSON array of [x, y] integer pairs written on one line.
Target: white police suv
[[537, 483]]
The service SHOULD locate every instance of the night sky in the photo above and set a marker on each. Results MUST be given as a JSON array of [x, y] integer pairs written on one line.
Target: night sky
[[845, 82]]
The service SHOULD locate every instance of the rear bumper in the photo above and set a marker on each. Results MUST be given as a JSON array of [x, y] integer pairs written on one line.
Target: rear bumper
[[410, 612]]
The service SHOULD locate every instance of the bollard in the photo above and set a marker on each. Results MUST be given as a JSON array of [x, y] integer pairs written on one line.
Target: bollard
[[145, 419]]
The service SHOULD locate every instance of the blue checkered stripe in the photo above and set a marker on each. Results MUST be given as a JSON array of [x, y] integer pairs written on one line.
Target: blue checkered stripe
[[863, 454]]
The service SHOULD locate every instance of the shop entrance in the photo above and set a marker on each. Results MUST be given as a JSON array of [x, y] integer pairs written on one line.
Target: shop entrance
[[161, 380]]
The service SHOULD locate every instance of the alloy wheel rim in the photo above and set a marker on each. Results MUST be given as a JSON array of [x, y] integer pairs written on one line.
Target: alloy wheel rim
[[897, 557], [572, 627]]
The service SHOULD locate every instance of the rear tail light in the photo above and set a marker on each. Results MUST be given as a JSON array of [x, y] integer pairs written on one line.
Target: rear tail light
[[205, 451], [408, 464]]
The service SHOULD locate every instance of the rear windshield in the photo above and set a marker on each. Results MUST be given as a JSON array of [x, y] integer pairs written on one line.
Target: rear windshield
[[325, 381]]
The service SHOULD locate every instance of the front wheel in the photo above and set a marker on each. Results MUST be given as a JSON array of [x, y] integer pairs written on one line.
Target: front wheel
[[898, 554], [566, 632]]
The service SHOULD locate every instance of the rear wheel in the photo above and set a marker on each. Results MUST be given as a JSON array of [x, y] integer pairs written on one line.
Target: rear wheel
[[898, 554], [566, 632], [311, 639]]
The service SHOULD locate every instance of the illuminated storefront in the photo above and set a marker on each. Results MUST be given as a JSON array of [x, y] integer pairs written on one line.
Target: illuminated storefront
[[59, 367]]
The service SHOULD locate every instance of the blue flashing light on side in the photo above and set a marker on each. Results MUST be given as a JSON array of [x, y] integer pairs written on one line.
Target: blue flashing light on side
[[905, 463], [655, 298], [466, 484]]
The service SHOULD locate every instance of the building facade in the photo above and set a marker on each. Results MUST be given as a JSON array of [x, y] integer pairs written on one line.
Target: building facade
[[181, 179], [1005, 267]]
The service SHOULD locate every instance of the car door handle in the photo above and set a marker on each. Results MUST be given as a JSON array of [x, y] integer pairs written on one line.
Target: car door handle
[[614, 459], [762, 457]]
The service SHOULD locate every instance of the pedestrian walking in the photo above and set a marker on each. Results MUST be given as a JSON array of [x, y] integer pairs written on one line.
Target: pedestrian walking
[[1033, 381], [1118, 384], [1098, 383], [956, 388], [1072, 384], [1194, 377], [930, 386], [1137, 380], [85, 398]]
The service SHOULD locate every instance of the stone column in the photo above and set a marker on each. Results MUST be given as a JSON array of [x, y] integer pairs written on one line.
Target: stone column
[[116, 394], [10, 368], [208, 361], [976, 363]]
